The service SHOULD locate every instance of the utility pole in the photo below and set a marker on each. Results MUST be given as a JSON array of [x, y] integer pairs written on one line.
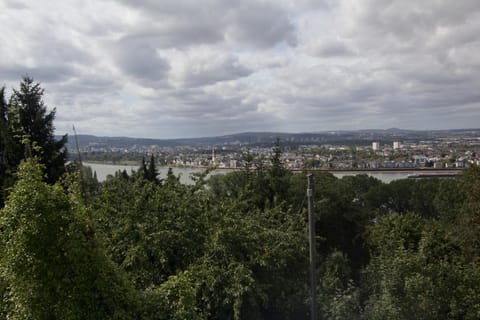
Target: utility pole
[[311, 229]]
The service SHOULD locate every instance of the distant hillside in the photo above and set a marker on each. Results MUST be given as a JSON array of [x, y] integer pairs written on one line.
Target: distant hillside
[[358, 137]]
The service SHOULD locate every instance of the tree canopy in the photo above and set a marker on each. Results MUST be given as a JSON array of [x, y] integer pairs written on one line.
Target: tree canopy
[[27, 130]]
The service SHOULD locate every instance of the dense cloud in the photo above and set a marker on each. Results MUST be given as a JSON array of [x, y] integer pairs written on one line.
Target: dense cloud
[[175, 68]]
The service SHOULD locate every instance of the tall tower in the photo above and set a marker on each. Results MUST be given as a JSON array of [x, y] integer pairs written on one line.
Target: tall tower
[[213, 155]]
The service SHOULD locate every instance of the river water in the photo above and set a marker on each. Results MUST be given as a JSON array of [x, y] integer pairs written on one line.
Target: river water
[[103, 170]]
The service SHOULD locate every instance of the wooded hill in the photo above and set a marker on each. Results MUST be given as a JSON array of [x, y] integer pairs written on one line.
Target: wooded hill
[[356, 137]]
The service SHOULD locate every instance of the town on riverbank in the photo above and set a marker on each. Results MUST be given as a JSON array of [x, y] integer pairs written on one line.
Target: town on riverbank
[[374, 150]]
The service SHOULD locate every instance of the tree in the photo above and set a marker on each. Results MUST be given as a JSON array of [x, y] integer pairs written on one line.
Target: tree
[[149, 230], [142, 170], [468, 219], [152, 172], [253, 266], [32, 130], [4, 135], [277, 175], [417, 268], [148, 171], [51, 264], [338, 297]]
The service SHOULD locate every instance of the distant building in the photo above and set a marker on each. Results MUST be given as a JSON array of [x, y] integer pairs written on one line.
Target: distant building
[[389, 164], [233, 163], [439, 165], [375, 146], [419, 160], [406, 164], [373, 165], [214, 162], [396, 145], [361, 165]]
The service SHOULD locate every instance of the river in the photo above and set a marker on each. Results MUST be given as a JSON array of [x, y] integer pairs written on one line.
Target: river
[[103, 170]]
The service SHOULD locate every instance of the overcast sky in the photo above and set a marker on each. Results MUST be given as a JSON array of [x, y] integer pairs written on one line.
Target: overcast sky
[[188, 68]]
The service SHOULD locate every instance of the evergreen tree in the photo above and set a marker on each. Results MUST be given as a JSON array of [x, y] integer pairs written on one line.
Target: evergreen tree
[[33, 131], [171, 180], [277, 175], [3, 143], [142, 170], [152, 172], [148, 171]]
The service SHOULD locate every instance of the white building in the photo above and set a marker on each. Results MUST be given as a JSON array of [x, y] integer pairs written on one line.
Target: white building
[[419, 159], [375, 146], [396, 145]]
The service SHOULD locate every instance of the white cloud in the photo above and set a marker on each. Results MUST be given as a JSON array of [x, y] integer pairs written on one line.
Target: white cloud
[[175, 68]]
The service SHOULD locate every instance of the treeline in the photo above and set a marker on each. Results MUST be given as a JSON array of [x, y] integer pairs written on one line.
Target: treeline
[[235, 246]]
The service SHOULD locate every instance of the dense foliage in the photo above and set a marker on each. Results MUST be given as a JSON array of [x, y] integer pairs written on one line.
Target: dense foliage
[[52, 265], [27, 130], [234, 246]]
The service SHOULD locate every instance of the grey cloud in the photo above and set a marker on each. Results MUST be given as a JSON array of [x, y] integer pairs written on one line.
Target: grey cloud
[[331, 48], [186, 34], [93, 83], [49, 57], [138, 57], [15, 4], [195, 103], [193, 122], [249, 23], [399, 73], [177, 33], [186, 68], [217, 105], [260, 24], [83, 92], [50, 49], [407, 24], [228, 69], [43, 73]]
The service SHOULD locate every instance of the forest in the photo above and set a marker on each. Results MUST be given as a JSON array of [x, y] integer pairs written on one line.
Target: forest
[[231, 246]]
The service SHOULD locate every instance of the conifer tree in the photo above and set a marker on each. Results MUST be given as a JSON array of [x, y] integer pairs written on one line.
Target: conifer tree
[[142, 170], [33, 130], [3, 143], [277, 175], [152, 172]]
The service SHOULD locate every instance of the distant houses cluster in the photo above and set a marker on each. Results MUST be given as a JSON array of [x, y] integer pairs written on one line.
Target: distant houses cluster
[[391, 155]]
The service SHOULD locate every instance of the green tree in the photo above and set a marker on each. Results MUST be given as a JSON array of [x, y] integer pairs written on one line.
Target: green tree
[[338, 297], [342, 218], [152, 171], [253, 267], [171, 180], [148, 171], [277, 176], [467, 228], [51, 265], [149, 230], [418, 269], [33, 130], [4, 137]]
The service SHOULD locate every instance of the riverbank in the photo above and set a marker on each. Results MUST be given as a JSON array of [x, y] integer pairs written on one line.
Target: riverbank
[[385, 175]]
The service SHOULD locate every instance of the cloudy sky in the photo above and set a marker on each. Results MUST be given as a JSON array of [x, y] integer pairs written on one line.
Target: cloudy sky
[[187, 68]]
